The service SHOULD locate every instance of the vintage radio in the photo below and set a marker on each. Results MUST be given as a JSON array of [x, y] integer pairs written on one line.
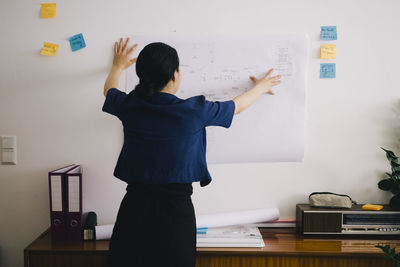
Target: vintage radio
[[354, 221]]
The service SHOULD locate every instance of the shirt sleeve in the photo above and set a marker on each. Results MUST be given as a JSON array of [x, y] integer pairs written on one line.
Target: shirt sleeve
[[113, 102], [218, 113]]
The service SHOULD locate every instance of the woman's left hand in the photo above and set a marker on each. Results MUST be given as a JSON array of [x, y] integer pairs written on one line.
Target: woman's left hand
[[122, 54]]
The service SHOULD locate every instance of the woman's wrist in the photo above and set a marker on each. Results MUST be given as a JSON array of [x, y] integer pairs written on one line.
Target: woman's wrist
[[259, 89], [116, 68]]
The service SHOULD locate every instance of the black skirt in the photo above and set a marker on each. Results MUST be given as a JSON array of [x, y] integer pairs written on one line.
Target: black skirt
[[155, 226]]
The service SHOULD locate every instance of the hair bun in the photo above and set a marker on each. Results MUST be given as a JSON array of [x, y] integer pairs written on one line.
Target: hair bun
[[145, 90]]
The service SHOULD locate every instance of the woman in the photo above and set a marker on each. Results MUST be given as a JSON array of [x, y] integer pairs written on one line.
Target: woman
[[163, 153]]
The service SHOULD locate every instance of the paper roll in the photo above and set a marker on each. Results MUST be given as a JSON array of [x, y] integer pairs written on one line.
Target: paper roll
[[213, 220], [104, 231], [237, 218]]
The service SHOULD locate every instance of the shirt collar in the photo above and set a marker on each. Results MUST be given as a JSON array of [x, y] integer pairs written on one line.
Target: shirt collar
[[163, 98]]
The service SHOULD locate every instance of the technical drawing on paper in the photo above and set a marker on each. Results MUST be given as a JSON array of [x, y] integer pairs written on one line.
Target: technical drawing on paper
[[219, 66]]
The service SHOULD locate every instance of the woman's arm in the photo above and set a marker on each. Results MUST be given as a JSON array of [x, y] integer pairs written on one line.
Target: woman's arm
[[261, 86], [121, 61]]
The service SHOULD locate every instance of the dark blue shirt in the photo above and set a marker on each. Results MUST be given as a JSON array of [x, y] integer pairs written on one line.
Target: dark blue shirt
[[165, 136]]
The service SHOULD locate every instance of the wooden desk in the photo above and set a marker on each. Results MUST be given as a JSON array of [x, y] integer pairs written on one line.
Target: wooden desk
[[282, 248]]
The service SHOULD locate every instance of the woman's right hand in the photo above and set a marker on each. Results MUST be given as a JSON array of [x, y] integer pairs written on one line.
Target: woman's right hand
[[267, 82], [261, 86], [122, 54]]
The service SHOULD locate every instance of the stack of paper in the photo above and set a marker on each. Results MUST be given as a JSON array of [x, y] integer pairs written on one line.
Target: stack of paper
[[233, 236]]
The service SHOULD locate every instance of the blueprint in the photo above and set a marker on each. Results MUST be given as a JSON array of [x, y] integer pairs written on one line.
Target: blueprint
[[219, 66]]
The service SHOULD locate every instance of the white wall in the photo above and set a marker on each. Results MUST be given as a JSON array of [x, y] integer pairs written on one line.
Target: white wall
[[53, 104]]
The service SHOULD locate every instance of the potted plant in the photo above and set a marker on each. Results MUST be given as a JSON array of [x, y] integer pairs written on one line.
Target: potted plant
[[392, 182]]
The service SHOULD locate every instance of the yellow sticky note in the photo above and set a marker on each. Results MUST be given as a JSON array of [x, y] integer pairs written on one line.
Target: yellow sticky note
[[49, 49], [372, 207], [48, 10], [328, 51]]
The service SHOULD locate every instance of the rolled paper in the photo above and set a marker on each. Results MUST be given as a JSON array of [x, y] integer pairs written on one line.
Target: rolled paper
[[237, 218], [214, 220]]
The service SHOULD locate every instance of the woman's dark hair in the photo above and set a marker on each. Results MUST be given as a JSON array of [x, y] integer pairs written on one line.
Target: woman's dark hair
[[155, 67]]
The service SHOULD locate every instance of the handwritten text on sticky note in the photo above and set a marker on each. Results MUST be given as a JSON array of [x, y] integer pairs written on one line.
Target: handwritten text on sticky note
[[48, 10], [77, 42], [49, 49], [328, 51], [327, 70], [328, 33]]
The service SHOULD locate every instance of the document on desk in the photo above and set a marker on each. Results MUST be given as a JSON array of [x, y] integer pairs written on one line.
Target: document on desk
[[234, 236], [218, 66], [103, 232]]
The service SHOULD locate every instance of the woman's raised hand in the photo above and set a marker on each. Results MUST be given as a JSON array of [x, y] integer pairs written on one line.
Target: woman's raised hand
[[122, 54], [267, 82]]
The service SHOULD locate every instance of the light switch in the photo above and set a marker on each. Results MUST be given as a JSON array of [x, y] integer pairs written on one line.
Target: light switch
[[8, 142], [9, 149], [8, 157]]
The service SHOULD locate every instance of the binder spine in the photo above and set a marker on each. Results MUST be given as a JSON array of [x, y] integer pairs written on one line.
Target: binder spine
[[74, 207], [57, 208], [58, 197]]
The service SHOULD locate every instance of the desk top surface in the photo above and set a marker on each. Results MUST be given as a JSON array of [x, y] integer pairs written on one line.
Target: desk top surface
[[284, 242]]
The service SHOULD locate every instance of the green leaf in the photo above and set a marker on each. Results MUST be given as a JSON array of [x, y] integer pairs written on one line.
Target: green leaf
[[390, 155], [386, 184], [396, 187], [395, 202], [395, 191], [395, 175], [390, 253], [395, 166], [385, 248]]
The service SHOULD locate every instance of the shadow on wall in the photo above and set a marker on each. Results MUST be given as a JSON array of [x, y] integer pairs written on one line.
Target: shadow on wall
[[391, 132], [389, 128], [396, 112]]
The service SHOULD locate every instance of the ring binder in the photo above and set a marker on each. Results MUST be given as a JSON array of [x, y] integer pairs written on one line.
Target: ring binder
[[57, 197], [74, 204]]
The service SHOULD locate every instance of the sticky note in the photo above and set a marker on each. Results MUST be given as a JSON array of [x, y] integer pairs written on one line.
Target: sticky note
[[328, 70], [49, 49], [77, 42], [48, 10], [328, 51], [328, 33], [372, 207]]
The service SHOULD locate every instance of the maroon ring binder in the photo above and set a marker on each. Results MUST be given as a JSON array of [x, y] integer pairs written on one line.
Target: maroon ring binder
[[74, 204], [57, 195]]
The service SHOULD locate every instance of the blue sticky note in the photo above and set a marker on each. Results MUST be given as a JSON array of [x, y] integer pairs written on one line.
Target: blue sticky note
[[328, 33], [77, 42], [328, 70]]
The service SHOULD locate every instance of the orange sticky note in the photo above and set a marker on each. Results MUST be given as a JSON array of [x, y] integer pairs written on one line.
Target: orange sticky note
[[49, 49], [48, 10], [328, 51]]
